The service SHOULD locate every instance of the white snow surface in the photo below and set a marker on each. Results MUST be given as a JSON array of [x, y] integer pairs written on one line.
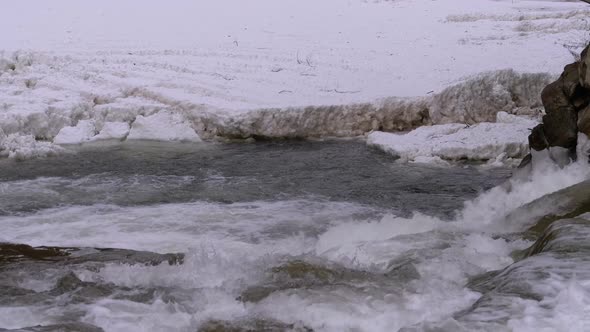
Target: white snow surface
[[506, 138], [291, 68]]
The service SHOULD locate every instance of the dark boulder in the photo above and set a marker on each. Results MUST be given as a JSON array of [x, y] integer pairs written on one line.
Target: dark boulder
[[567, 111], [584, 121], [560, 124], [585, 68], [537, 139]]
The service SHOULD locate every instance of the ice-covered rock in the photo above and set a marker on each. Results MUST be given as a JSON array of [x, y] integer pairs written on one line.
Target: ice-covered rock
[[162, 126], [82, 132]]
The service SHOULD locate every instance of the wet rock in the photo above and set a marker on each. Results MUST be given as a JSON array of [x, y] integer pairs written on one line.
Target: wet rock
[[584, 121], [253, 325], [80, 291], [563, 236], [526, 161], [560, 122], [124, 256], [404, 272], [63, 327], [301, 270], [585, 68], [300, 274], [566, 101], [537, 139], [293, 274], [560, 255], [68, 283], [536, 216], [11, 252]]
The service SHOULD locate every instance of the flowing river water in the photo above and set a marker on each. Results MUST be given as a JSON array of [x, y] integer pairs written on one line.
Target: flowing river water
[[285, 236]]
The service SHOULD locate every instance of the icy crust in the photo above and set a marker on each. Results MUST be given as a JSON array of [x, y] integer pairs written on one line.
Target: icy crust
[[480, 98], [73, 117], [147, 116], [389, 114], [506, 138]]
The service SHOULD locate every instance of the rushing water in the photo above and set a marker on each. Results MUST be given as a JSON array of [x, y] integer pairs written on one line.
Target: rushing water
[[322, 236]]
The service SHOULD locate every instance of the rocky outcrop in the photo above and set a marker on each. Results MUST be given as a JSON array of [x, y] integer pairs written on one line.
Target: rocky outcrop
[[567, 111]]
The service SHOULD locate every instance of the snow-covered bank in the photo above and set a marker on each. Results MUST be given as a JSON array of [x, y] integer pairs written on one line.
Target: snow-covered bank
[[294, 69], [137, 114], [506, 138]]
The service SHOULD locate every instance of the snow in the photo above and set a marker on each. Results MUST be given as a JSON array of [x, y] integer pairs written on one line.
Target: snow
[[298, 68], [507, 138], [25, 147]]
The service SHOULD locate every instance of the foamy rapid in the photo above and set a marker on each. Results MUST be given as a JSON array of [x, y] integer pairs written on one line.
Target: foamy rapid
[[415, 269]]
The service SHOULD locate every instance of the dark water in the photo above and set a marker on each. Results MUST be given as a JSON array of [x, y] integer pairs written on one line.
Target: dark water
[[152, 173], [244, 221]]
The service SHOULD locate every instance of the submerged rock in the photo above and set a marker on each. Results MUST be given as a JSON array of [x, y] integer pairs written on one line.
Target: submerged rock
[[557, 261], [251, 325], [63, 327], [296, 274], [299, 274]]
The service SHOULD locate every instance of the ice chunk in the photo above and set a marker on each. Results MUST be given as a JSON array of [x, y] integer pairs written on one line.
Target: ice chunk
[[113, 131], [25, 146], [503, 117], [163, 126], [82, 132], [482, 141]]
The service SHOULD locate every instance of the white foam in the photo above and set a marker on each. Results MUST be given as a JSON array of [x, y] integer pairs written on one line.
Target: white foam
[[490, 208], [230, 246], [152, 228], [17, 317]]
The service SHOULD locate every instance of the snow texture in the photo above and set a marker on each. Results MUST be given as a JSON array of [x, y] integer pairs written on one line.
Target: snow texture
[[22, 147], [298, 68]]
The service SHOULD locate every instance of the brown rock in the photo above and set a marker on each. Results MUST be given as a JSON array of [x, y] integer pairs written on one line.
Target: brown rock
[[537, 139], [584, 121], [585, 68], [560, 126]]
